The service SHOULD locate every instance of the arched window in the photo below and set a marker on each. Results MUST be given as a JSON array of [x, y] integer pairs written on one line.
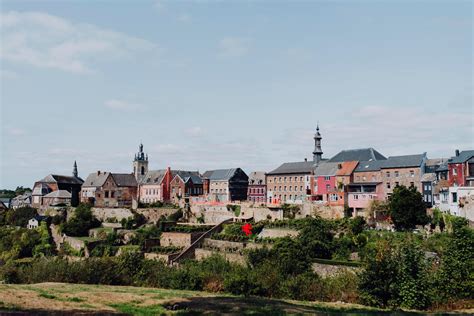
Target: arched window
[[143, 170]]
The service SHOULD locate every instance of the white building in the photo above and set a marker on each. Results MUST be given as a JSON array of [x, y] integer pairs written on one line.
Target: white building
[[461, 202]]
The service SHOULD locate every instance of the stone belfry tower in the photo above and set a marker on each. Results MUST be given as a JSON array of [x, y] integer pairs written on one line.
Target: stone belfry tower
[[140, 163], [318, 152]]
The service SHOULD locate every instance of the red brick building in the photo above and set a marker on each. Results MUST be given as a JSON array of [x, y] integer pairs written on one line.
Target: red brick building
[[461, 169], [185, 184]]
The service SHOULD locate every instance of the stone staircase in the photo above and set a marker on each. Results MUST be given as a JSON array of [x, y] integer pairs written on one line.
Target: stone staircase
[[189, 252]]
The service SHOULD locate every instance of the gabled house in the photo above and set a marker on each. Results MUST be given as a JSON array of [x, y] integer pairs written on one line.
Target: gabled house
[[429, 180], [226, 185], [461, 169], [324, 182], [53, 182], [106, 189], [185, 184], [257, 190], [404, 170], [155, 186]]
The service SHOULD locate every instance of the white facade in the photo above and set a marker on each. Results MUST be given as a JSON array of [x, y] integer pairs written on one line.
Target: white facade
[[461, 202], [33, 223]]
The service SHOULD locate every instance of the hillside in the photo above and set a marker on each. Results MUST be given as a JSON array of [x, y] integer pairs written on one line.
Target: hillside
[[81, 299]]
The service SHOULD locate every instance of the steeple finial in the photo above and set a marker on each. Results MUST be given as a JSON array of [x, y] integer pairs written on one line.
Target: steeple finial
[[74, 170]]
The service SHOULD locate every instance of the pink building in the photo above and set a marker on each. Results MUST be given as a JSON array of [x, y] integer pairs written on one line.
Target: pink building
[[361, 195], [324, 182]]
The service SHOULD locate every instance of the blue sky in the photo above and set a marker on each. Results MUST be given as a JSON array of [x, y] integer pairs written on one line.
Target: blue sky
[[214, 84]]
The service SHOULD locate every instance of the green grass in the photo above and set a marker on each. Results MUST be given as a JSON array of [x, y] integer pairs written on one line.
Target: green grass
[[132, 309], [47, 295]]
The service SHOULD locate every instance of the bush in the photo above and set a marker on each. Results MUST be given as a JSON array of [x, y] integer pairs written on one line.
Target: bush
[[407, 208]]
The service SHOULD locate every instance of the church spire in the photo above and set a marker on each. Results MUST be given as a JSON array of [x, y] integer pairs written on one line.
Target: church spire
[[318, 152], [74, 170]]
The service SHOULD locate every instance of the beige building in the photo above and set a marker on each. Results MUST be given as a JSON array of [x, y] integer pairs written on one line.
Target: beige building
[[290, 182]]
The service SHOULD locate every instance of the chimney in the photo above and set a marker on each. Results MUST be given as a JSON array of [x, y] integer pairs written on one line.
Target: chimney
[[98, 172], [306, 159], [457, 152], [339, 166]]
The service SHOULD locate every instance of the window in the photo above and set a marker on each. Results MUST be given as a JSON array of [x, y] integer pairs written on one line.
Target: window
[[290, 196], [289, 179], [112, 194], [373, 177], [279, 179], [327, 178], [429, 198], [364, 178], [358, 178], [356, 197], [301, 178], [289, 189], [388, 174], [455, 171], [328, 187], [412, 184], [284, 179], [106, 194], [301, 188], [397, 184], [284, 188], [412, 173], [455, 197], [396, 174], [388, 185], [142, 171]]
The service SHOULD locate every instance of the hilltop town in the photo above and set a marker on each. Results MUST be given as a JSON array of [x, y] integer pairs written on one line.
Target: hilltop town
[[347, 184]]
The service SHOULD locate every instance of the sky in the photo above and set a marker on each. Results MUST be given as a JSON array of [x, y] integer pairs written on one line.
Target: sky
[[222, 84]]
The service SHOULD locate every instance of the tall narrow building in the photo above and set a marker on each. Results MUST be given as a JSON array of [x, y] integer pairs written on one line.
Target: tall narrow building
[[140, 164], [318, 152]]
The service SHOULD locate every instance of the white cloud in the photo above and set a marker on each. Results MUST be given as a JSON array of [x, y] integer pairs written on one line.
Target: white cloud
[[194, 131], [234, 46], [123, 105], [47, 41], [158, 5]]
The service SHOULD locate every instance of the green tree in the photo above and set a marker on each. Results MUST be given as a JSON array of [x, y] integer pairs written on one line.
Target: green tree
[[407, 208], [82, 221], [20, 216]]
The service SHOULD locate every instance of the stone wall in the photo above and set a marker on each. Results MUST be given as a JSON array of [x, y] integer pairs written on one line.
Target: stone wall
[[153, 215], [231, 257], [178, 239], [325, 211], [106, 214], [277, 233]]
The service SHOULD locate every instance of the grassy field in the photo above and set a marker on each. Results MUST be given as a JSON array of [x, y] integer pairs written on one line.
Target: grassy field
[[81, 299]]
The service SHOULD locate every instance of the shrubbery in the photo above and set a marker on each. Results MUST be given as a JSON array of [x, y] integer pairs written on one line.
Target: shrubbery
[[82, 221]]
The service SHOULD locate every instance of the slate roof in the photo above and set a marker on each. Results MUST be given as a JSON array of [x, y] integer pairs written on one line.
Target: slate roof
[[188, 175], [464, 156], [55, 178], [153, 177], [326, 169], [40, 218], [257, 177], [294, 167], [443, 167], [373, 165], [362, 154], [405, 161], [125, 179], [220, 174], [95, 180], [63, 194]]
